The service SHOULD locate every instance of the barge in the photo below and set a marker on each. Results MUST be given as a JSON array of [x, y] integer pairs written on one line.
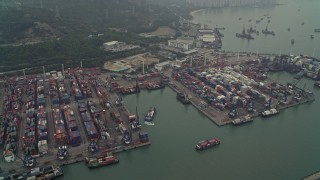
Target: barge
[[100, 161], [202, 145], [242, 120], [270, 112]]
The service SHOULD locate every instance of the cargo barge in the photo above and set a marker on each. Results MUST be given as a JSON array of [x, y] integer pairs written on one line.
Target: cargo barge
[[102, 160], [49, 172], [270, 112], [202, 145], [242, 120]]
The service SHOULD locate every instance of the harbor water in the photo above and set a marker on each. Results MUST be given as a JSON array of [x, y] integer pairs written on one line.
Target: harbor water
[[285, 146], [290, 14]]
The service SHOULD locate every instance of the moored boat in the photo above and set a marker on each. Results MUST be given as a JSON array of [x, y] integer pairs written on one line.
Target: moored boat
[[151, 114], [103, 160], [270, 112], [202, 145], [242, 120]]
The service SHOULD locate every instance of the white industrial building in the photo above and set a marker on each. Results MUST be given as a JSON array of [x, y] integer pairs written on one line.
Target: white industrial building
[[185, 43], [116, 46]]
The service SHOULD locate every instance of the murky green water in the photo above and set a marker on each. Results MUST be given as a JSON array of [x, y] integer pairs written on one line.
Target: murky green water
[[282, 147]]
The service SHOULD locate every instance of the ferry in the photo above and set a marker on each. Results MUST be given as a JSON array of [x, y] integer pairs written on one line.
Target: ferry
[[202, 145], [103, 160], [270, 112], [151, 114], [242, 120]]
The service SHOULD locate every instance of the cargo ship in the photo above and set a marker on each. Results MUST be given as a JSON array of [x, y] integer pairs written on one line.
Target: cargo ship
[[183, 97], [242, 120], [103, 160], [270, 112], [151, 114], [202, 145]]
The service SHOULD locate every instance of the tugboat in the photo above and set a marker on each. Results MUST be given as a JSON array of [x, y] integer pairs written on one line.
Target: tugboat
[[93, 147], [103, 160], [151, 114], [62, 153], [202, 145]]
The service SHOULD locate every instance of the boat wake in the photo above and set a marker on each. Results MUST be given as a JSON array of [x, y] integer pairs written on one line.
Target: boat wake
[[149, 123]]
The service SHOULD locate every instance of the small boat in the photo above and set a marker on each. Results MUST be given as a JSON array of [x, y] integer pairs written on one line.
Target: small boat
[[270, 112], [302, 23], [151, 114], [103, 160], [316, 30], [289, 29], [202, 145], [292, 41], [312, 36]]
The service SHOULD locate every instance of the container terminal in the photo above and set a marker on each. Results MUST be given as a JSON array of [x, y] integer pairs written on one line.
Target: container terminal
[[79, 114]]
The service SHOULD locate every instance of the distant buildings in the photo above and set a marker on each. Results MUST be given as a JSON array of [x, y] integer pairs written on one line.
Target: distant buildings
[[225, 3], [184, 43], [207, 38]]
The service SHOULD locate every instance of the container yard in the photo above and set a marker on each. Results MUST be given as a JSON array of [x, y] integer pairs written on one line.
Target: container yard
[[64, 117], [67, 116]]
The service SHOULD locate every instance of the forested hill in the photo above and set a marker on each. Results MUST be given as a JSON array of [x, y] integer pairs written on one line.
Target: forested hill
[[27, 20]]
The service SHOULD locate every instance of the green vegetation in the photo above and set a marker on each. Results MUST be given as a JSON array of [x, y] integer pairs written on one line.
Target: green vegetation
[[62, 28]]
